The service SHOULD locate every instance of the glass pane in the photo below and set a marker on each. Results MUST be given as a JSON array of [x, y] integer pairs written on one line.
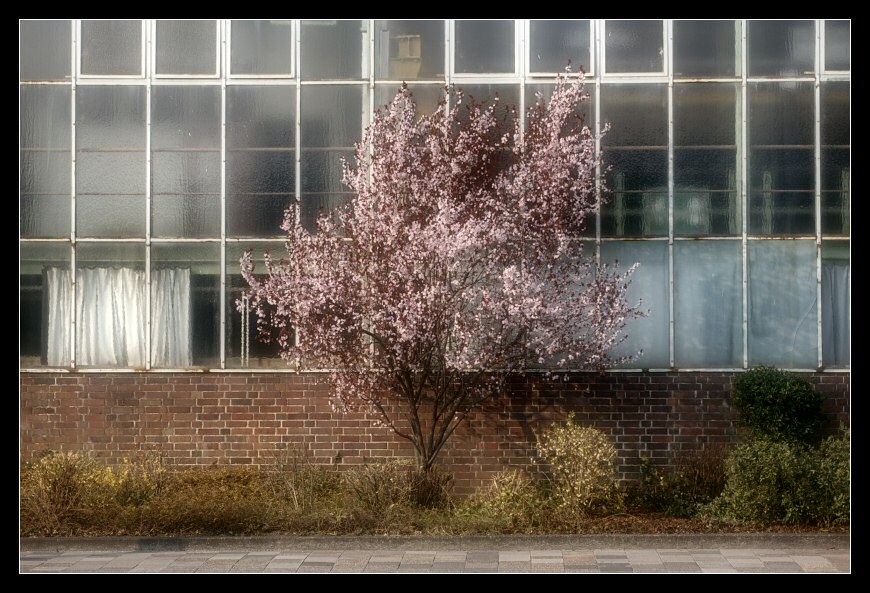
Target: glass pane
[[836, 157], [186, 172], [838, 38], [110, 305], [111, 47], [484, 47], [332, 50], [425, 96], [649, 284], [244, 347], [637, 114], [322, 171], [185, 216], [708, 297], [185, 305], [705, 114], [111, 172], [110, 216], [260, 172], [780, 48], [45, 216], [508, 96], [261, 47], [312, 207], [185, 117], [782, 304], [261, 116], [781, 158], [636, 203], [836, 303], [44, 285], [409, 50], [256, 215], [45, 172], [45, 116], [186, 47], [331, 116], [557, 44], [110, 117], [705, 48], [634, 46], [44, 50]]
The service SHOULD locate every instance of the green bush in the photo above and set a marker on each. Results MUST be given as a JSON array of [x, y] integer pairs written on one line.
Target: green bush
[[779, 482], [581, 464], [777, 405]]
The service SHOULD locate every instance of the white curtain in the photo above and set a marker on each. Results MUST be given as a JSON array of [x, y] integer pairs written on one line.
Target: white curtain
[[110, 317], [836, 314]]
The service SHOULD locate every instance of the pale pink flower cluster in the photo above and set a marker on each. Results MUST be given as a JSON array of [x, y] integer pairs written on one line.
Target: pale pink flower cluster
[[458, 261]]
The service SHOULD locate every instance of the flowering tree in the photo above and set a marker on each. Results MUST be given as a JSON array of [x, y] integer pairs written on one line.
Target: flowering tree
[[457, 263]]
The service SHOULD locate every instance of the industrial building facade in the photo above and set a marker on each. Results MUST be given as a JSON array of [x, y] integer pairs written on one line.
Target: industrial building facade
[[154, 153]]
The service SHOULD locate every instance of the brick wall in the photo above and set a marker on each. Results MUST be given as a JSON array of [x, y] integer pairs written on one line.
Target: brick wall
[[201, 419]]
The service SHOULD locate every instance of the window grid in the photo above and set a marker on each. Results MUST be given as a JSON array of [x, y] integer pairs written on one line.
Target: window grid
[[522, 76]]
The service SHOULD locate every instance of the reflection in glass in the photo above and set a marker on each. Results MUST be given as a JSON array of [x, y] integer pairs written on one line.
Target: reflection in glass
[[409, 50]]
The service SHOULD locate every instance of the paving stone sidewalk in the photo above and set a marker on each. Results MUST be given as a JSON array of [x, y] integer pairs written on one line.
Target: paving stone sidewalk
[[557, 554]]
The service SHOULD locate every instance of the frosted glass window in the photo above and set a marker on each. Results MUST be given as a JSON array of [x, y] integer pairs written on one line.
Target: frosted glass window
[[705, 48], [556, 44], [186, 47], [836, 304], [649, 284], [838, 37], [634, 46], [483, 47], [409, 50], [781, 48], [635, 157], [261, 47], [426, 97], [111, 47], [332, 50], [705, 160], [331, 116], [188, 216], [110, 117], [781, 159], [110, 216], [783, 311], [45, 161], [44, 50], [708, 298], [244, 347], [261, 158], [836, 156]]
